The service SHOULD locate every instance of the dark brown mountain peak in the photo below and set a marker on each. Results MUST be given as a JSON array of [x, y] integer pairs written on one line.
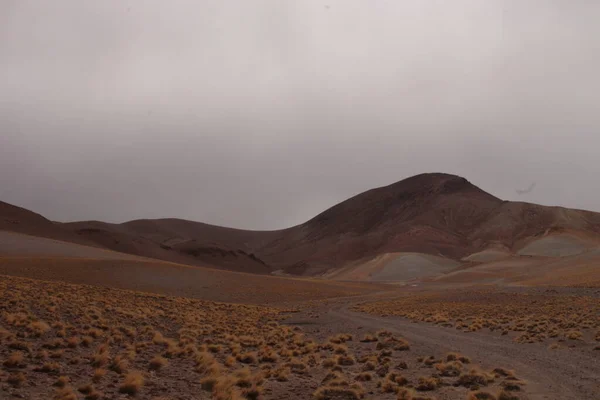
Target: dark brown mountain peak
[[401, 201], [434, 184]]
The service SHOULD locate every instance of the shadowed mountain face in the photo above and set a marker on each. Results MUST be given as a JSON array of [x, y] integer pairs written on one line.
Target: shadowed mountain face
[[438, 214], [20, 220]]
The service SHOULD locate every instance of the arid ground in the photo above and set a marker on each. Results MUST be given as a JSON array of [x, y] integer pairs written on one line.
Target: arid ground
[[239, 336], [426, 289]]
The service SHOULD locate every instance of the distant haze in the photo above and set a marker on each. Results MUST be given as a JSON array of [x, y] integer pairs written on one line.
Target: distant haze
[[260, 114]]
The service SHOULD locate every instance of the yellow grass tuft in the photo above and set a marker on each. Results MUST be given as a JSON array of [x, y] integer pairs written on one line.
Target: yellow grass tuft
[[158, 362], [132, 384]]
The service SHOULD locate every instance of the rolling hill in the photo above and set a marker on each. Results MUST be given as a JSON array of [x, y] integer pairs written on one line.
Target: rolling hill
[[437, 214]]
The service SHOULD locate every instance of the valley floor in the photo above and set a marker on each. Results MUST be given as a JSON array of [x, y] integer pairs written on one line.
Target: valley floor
[[75, 341]]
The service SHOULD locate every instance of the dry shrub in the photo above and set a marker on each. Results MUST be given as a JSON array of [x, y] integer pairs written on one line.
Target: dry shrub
[[56, 354], [345, 360], [224, 389], [504, 395], [451, 368], [94, 395], [20, 345], [73, 342], [214, 348], [474, 379], [158, 362], [99, 373], [253, 393], [341, 338], [574, 335], [402, 365], [247, 358], [329, 362], [394, 343], [15, 360], [267, 355], [204, 361], [50, 368], [504, 372], [61, 382], [119, 364], [368, 338], [208, 383], [393, 382], [16, 379], [389, 386], [132, 384], [230, 361], [282, 374], [364, 377], [297, 366], [512, 385], [397, 378], [479, 395], [410, 394], [95, 333], [66, 393], [39, 328], [426, 384], [85, 389], [101, 357], [458, 357]]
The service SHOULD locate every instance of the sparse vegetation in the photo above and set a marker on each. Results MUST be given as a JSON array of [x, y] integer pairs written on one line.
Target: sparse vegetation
[[132, 384], [105, 343], [158, 362], [526, 318]]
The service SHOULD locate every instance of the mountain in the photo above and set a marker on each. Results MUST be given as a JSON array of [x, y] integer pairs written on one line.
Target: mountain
[[435, 214], [21, 220], [429, 213], [180, 241]]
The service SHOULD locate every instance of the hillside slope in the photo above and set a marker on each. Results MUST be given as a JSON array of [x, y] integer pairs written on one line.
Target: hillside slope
[[179, 241], [21, 220], [438, 214]]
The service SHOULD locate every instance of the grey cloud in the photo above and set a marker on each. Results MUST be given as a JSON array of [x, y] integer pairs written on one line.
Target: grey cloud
[[261, 114]]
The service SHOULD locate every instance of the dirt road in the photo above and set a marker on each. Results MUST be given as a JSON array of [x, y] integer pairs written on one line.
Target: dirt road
[[568, 373]]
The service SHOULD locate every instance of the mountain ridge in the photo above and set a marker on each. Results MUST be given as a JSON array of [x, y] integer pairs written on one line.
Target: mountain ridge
[[433, 213]]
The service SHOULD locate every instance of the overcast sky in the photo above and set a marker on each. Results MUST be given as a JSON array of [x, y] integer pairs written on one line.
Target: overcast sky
[[262, 113]]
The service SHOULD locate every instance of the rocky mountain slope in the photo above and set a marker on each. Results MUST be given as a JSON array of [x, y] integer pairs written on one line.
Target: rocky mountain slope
[[437, 214]]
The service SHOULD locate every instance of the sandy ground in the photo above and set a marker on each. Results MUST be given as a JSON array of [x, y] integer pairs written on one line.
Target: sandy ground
[[395, 267], [179, 280], [557, 246], [487, 256], [578, 270], [16, 244], [412, 266]]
